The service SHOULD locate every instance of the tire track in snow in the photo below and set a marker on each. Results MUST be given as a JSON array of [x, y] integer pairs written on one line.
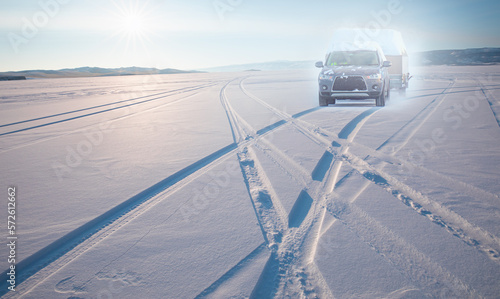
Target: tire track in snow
[[100, 111], [492, 100], [269, 211], [421, 117], [430, 277], [452, 222], [86, 90], [273, 269], [470, 234], [100, 106], [459, 227], [457, 87], [267, 206], [452, 183], [285, 117], [247, 142], [210, 292], [414, 265], [292, 271], [451, 92], [111, 120], [240, 129], [47, 261], [356, 124], [298, 251], [294, 170], [41, 265]]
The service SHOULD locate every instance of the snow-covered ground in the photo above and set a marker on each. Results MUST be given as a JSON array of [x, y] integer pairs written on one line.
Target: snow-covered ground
[[236, 185]]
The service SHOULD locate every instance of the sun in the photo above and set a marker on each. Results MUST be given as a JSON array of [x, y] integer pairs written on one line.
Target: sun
[[131, 23]]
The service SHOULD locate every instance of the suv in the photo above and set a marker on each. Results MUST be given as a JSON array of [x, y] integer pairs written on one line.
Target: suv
[[353, 72]]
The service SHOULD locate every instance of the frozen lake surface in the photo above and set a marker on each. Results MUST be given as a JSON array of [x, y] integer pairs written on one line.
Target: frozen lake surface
[[235, 185]]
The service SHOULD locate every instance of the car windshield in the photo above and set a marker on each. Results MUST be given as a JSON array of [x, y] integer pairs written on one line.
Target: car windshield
[[339, 58]]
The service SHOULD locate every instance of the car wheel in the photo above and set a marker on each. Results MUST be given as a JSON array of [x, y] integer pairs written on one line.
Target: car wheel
[[380, 101], [388, 96], [323, 101], [402, 90]]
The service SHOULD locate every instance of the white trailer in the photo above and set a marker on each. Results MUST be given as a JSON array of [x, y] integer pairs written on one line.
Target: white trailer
[[392, 45], [394, 49]]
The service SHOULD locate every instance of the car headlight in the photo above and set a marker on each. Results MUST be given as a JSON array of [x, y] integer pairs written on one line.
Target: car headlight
[[324, 76], [374, 76]]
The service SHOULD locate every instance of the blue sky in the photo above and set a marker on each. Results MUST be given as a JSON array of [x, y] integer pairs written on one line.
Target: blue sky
[[55, 34]]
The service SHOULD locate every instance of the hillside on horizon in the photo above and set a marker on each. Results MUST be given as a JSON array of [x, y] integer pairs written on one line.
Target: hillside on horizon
[[92, 72], [474, 56]]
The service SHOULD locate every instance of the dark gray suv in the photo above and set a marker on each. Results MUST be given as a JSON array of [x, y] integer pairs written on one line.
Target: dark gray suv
[[354, 73]]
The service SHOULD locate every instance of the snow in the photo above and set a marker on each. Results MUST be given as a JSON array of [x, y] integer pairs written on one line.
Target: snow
[[238, 185]]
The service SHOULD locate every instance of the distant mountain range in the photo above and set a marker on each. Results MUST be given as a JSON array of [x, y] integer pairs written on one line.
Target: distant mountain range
[[479, 56], [263, 66], [90, 72]]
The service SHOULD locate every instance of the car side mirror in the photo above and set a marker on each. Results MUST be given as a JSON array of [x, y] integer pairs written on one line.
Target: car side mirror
[[386, 64], [319, 64]]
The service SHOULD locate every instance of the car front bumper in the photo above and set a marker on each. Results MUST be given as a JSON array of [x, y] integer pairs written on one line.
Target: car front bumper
[[355, 95], [373, 90]]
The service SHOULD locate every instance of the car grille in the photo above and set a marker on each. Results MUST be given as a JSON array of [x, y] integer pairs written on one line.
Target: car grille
[[349, 83]]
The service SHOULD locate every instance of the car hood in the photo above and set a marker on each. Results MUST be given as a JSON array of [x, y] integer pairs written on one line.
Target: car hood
[[352, 70]]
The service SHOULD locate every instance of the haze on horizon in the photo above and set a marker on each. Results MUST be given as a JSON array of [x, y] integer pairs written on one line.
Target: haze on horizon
[[56, 34]]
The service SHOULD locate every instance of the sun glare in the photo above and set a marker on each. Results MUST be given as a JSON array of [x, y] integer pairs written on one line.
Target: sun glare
[[131, 23]]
